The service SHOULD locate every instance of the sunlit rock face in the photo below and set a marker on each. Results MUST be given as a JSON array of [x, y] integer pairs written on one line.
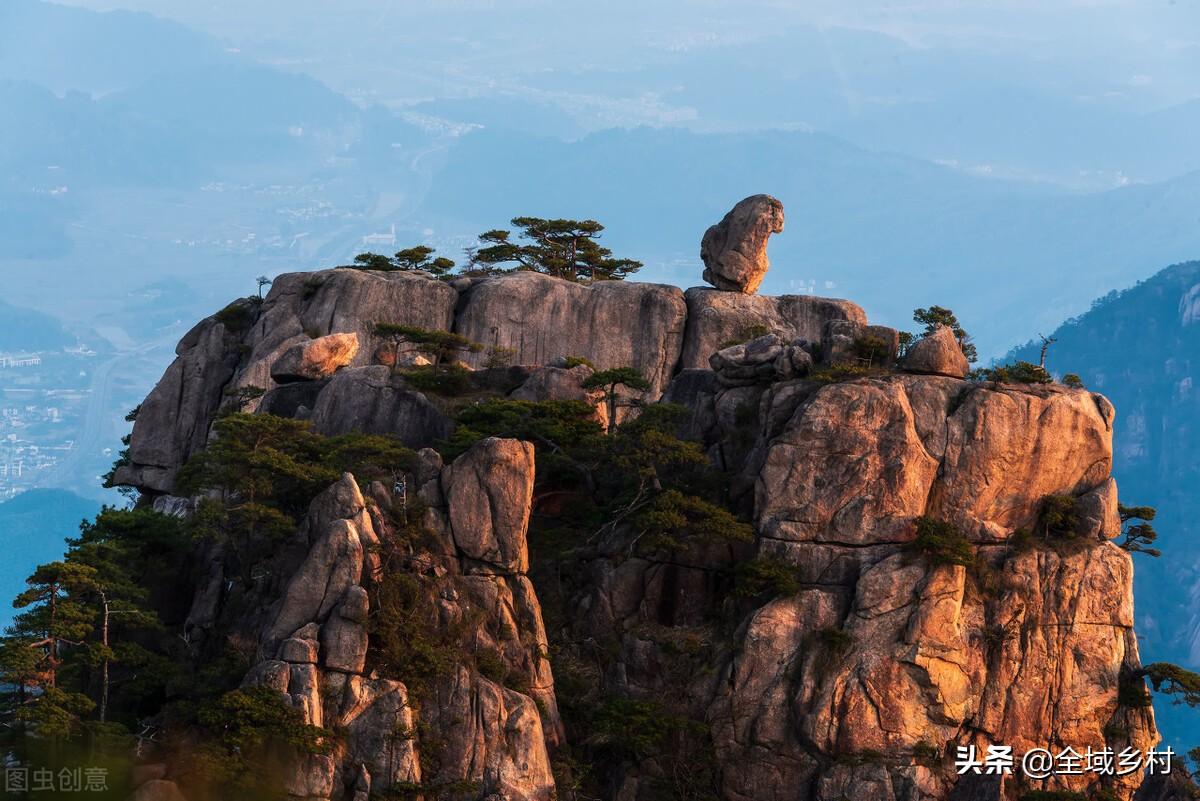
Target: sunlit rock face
[[734, 251], [315, 647], [1025, 648], [857, 681]]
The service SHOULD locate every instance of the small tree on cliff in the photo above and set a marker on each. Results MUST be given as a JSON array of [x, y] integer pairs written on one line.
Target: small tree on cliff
[[1139, 534], [609, 380], [562, 248], [439, 346], [936, 316], [418, 258], [422, 258]]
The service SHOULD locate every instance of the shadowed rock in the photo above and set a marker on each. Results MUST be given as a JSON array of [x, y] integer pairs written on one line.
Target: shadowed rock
[[374, 401], [610, 323], [716, 318]]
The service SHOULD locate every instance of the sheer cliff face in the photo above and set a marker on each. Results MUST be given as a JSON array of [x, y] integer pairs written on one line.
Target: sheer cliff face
[[459, 728], [1139, 347], [857, 685], [1024, 650]]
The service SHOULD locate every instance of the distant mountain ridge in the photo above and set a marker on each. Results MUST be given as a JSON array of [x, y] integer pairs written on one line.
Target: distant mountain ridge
[[108, 51], [1141, 347], [26, 329]]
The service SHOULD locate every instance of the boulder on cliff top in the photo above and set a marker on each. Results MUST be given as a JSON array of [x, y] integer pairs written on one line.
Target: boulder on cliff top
[[937, 353], [316, 359], [610, 323], [734, 250]]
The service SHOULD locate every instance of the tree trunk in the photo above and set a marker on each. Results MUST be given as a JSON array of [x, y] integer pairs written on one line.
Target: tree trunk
[[104, 665], [52, 660]]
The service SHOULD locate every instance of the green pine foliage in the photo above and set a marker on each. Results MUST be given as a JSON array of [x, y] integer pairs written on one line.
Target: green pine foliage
[[1139, 535], [562, 248], [1059, 518], [935, 317], [941, 543], [415, 258], [1175, 681], [1018, 372], [765, 576], [609, 381]]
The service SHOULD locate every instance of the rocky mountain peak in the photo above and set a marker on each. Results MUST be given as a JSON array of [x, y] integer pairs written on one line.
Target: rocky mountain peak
[[883, 588]]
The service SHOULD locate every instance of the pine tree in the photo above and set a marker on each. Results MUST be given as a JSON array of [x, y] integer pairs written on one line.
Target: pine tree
[[1139, 534], [609, 380], [936, 316], [35, 649], [562, 248]]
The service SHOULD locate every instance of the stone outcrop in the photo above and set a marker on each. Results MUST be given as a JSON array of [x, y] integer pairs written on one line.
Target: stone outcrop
[[374, 400], [734, 251], [489, 492], [856, 677], [563, 383], [845, 342], [316, 359], [173, 421], [937, 353], [301, 306], [233, 352], [715, 318], [315, 648], [764, 360], [302, 335], [610, 323], [927, 655]]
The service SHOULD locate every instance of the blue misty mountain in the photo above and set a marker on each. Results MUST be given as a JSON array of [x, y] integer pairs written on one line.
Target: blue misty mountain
[[1141, 348], [888, 231], [64, 48], [1014, 131], [182, 126], [34, 527], [105, 185], [26, 329]]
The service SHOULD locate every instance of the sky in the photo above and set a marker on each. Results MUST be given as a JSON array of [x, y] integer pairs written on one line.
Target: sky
[[1138, 54]]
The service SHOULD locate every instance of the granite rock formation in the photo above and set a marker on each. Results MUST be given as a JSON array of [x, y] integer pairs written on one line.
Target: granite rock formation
[[734, 251], [715, 318], [314, 649], [856, 678], [610, 323], [937, 353], [314, 360]]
